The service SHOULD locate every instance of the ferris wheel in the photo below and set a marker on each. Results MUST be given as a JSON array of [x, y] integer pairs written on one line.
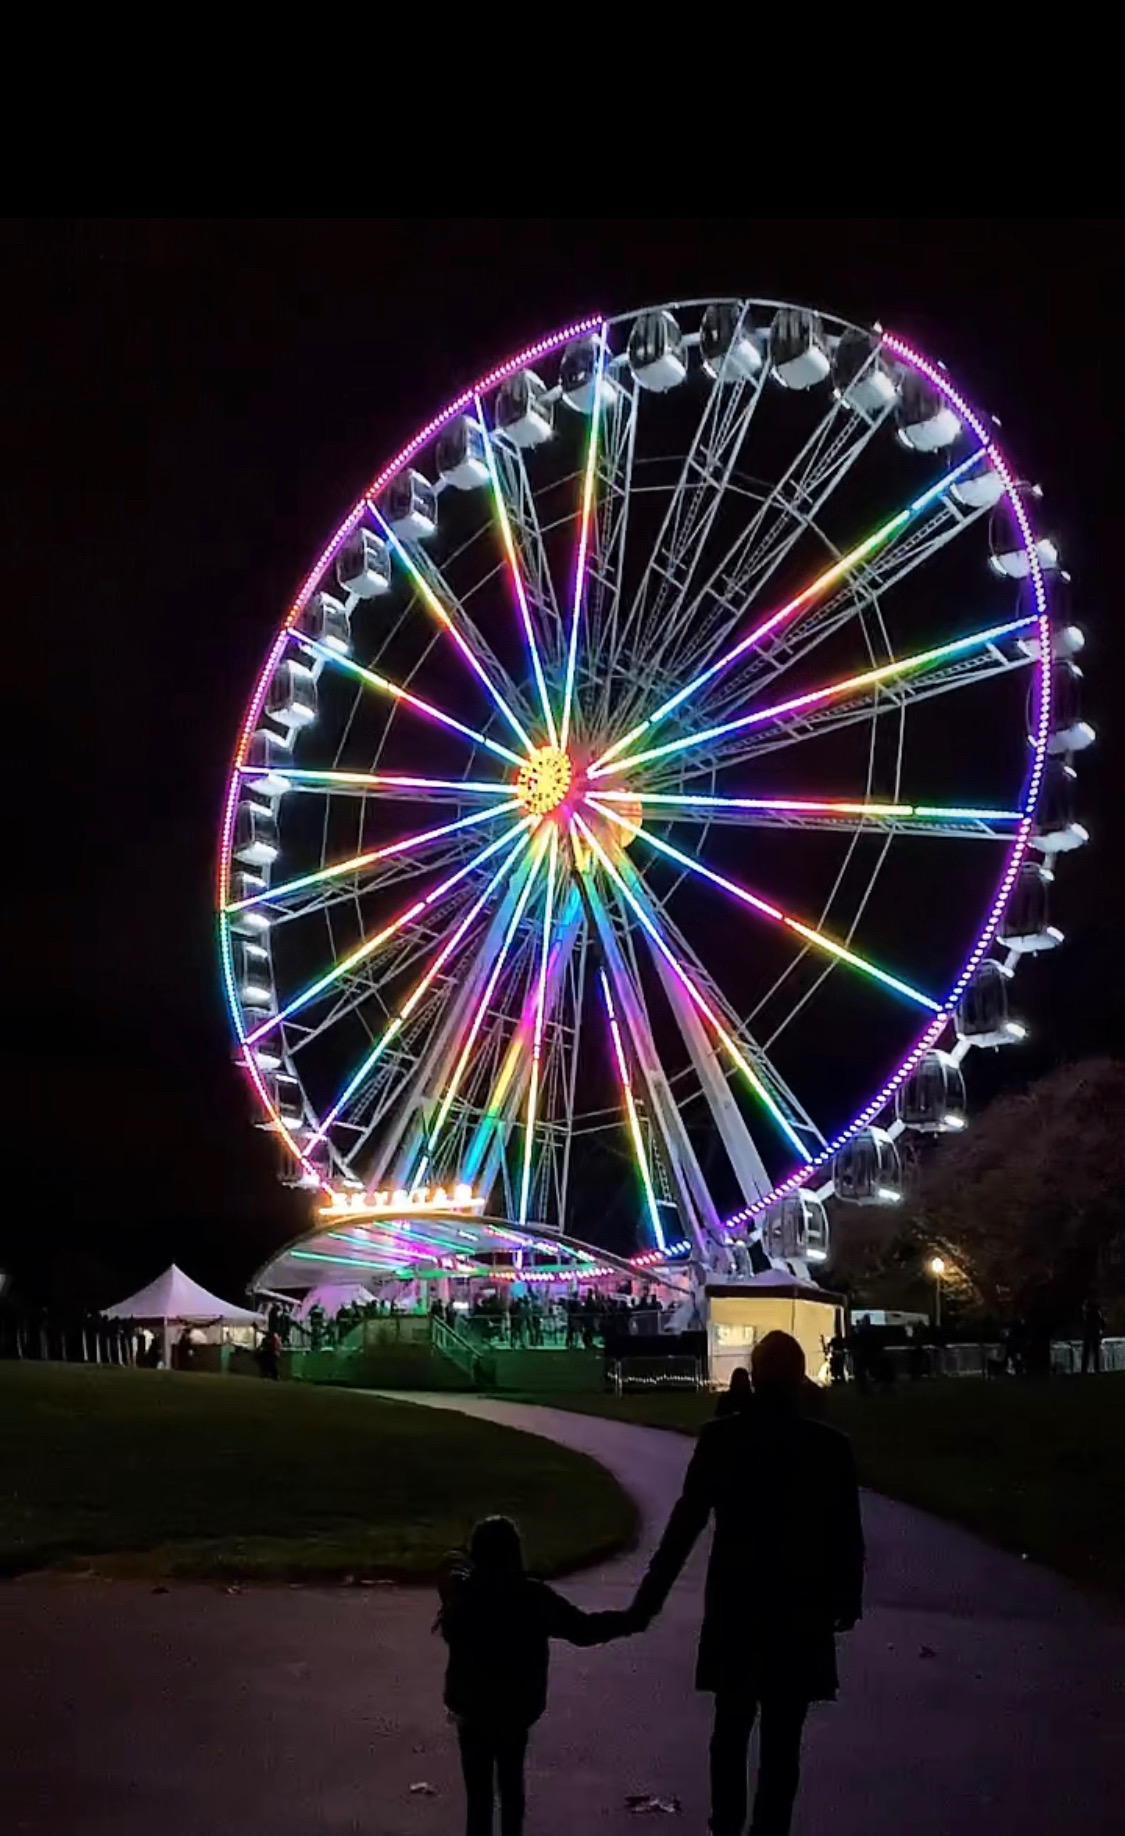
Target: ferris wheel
[[671, 749]]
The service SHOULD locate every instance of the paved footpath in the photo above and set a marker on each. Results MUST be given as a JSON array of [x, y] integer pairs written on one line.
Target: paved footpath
[[980, 1695]]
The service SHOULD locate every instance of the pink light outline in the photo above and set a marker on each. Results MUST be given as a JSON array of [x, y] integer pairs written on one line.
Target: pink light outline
[[540, 348]]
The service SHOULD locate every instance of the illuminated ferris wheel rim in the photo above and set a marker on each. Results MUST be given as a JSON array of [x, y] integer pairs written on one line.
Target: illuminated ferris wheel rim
[[545, 775]]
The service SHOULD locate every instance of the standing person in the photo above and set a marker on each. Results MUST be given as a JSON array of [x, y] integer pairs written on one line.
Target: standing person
[[498, 1624], [785, 1575], [1093, 1325], [269, 1354], [737, 1394]]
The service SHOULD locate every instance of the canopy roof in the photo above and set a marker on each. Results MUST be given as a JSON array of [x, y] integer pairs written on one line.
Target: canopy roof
[[346, 1249], [175, 1296]]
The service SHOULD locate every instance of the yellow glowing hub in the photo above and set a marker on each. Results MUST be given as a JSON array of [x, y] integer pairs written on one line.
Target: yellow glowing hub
[[544, 780]]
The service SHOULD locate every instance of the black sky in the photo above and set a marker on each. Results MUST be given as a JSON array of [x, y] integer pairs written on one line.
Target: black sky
[[190, 404]]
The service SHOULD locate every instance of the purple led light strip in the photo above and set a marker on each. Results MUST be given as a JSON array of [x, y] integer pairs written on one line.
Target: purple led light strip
[[934, 375]]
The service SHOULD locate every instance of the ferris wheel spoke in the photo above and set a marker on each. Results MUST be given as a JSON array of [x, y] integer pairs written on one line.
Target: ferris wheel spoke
[[384, 686], [578, 594], [516, 572], [766, 909], [629, 1103], [702, 621], [437, 597], [694, 993], [472, 1033], [399, 1020], [832, 815], [537, 1029], [364, 783], [861, 591], [716, 443], [784, 615], [850, 687], [613, 498], [375, 941], [359, 862]]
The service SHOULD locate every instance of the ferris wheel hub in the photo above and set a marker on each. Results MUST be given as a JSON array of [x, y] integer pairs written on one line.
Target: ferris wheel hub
[[544, 780]]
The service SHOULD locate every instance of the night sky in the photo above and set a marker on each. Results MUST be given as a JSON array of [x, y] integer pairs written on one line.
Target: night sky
[[191, 406]]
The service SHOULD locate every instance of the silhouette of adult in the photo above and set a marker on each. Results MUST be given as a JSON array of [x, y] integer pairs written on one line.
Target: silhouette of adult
[[1093, 1325], [785, 1575]]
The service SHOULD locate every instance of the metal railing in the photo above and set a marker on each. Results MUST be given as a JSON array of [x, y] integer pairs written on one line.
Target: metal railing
[[670, 1373]]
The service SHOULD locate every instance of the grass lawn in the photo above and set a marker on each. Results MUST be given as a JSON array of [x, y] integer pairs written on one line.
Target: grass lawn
[[160, 1473], [1037, 1467]]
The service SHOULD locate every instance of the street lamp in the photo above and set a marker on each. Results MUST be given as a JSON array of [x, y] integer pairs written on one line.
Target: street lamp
[[937, 1270]]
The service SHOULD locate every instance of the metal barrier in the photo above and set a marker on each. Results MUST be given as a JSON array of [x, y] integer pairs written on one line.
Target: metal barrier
[[671, 1373]]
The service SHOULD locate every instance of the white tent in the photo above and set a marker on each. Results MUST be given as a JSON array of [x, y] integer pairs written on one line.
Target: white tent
[[175, 1299]]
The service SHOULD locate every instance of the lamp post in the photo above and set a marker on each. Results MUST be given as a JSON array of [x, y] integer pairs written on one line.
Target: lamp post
[[937, 1270]]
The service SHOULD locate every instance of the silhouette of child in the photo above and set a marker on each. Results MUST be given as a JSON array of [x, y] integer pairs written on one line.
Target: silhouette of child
[[498, 1622]]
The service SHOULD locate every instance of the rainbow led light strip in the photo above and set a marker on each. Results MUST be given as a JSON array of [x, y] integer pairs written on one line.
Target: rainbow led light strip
[[358, 862], [898, 347], [817, 938], [685, 805], [375, 780], [460, 404], [516, 572], [375, 942], [583, 542], [385, 686], [819, 587], [695, 994], [398, 1021], [634, 1120], [482, 1008], [851, 685], [537, 1031], [433, 604]]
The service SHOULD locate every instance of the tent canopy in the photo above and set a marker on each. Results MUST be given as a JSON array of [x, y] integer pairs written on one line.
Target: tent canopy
[[175, 1296]]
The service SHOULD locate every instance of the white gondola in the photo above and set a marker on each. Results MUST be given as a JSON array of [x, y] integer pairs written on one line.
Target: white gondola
[[285, 1094], [859, 375], [254, 918], [409, 506], [1025, 926], [523, 413], [1069, 732], [795, 1229], [1066, 641], [798, 353], [460, 455], [255, 835], [328, 622], [867, 1169], [252, 974], [979, 489], [265, 762], [1057, 829], [363, 566], [982, 1015], [291, 696], [926, 422], [931, 1098], [657, 356], [1010, 560], [727, 344], [578, 371], [268, 1054]]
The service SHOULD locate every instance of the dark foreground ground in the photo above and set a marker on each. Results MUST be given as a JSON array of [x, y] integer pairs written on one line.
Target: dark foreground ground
[[981, 1697]]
